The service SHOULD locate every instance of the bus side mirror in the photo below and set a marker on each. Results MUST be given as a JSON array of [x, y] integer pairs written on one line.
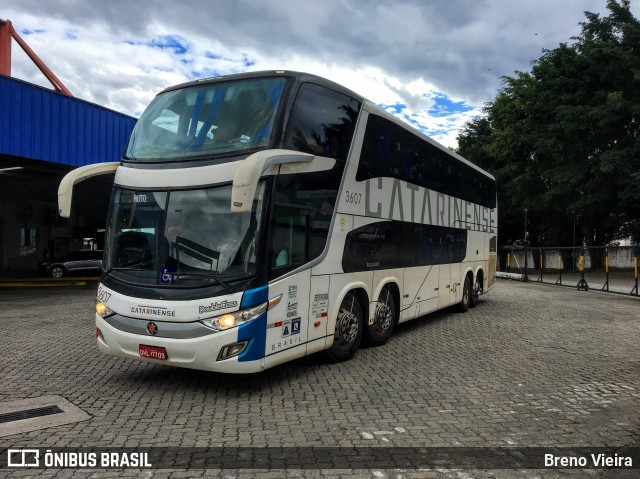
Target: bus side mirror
[[65, 190], [246, 179]]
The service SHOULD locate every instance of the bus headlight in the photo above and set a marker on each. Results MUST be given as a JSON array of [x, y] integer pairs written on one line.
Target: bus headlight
[[231, 320], [103, 310]]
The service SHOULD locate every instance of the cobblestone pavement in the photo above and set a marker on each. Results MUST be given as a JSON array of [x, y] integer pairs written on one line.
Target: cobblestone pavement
[[532, 365]]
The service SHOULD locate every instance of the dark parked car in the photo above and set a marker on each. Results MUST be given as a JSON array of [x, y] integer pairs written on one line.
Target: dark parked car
[[77, 262]]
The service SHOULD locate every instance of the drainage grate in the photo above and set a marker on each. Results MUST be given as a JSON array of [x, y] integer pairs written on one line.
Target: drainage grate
[[30, 413], [26, 415]]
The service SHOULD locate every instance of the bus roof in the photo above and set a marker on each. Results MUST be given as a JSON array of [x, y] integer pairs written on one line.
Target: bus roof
[[301, 77], [297, 76]]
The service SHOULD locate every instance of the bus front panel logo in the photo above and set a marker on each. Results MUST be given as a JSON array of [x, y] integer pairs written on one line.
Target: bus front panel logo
[[152, 328]]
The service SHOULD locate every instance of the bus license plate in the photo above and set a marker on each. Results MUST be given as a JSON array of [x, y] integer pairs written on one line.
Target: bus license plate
[[152, 352]]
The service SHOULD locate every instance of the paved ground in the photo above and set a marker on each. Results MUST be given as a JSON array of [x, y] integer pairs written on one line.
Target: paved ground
[[532, 365]]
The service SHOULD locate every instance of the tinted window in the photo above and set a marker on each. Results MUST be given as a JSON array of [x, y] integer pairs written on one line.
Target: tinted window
[[392, 151], [399, 244], [322, 122], [302, 211]]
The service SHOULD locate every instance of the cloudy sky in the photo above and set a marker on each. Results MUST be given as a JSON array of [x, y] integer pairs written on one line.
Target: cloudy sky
[[433, 63]]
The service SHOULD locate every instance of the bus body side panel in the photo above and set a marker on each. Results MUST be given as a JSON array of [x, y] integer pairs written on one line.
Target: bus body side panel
[[429, 291], [318, 313], [288, 325]]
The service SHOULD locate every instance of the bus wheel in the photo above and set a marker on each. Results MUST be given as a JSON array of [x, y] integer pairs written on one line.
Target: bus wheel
[[348, 334], [379, 332], [463, 306], [476, 291]]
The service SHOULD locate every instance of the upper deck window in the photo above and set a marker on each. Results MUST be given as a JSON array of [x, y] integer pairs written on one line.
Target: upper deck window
[[322, 122], [207, 120], [389, 150]]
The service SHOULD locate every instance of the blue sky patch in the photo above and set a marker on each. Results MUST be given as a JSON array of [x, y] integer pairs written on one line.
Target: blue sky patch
[[246, 61], [178, 44], [445, 106], [394, 108], [26, 31], [174, 43], [204, 73]]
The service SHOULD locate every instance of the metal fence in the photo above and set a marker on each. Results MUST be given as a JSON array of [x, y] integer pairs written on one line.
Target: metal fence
[[613, 269]]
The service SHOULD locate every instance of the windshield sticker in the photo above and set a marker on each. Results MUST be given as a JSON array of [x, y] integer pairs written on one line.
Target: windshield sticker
[[167, 275]]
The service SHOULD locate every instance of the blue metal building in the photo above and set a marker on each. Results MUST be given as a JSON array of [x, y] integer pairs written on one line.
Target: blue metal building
[[43, 135]]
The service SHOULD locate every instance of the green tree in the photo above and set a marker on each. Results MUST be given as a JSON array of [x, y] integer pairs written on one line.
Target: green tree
[[564, 139]]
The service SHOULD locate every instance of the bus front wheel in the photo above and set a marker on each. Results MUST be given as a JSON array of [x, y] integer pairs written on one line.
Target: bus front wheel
[[348, 333], [379, 332]]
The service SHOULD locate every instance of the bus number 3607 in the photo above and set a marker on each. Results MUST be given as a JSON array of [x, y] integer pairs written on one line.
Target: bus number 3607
[[352, 197]]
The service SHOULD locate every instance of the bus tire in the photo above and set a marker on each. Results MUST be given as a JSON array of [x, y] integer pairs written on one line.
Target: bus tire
[[463, 305], [476, 291], [348, 333], [379, 332]]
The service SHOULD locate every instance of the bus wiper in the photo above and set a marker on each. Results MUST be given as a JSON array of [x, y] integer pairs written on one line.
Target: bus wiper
[[122, 268], [212, 276]]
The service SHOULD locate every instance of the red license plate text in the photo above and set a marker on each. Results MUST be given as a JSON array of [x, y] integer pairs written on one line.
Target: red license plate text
[[152, 352]]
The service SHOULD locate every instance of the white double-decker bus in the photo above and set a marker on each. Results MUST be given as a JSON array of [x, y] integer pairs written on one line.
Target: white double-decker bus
[[260, 217]]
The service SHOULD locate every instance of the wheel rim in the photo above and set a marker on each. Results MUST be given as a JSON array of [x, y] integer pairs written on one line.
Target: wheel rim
[[465, 293], [347, 329], [476, 291], [56, 272], [383, 317]]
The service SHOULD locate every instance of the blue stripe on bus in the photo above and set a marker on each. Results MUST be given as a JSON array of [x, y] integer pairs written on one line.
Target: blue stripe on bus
[[254, 297], [254, 331]]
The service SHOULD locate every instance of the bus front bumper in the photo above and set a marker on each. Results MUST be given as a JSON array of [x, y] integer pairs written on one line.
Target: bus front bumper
[[194, 353]]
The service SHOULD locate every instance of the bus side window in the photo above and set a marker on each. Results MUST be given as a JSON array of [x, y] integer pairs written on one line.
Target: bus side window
[[302, 211], [322, 122]]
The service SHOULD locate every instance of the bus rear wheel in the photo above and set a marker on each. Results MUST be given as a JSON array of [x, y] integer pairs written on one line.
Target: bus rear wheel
[[379, 332], [463, 306], [476, 291], [348, 333]]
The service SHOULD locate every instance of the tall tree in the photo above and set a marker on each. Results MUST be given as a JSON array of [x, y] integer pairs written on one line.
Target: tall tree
[[564, 139]]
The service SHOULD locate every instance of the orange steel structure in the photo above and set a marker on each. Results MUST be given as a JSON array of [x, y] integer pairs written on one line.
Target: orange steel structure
[[7, 32]]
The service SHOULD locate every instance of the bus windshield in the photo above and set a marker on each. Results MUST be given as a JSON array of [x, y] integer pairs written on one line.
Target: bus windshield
[[181, 238], [207, 120]]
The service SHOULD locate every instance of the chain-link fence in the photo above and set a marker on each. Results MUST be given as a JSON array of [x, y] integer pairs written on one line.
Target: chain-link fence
[[613, 269]]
